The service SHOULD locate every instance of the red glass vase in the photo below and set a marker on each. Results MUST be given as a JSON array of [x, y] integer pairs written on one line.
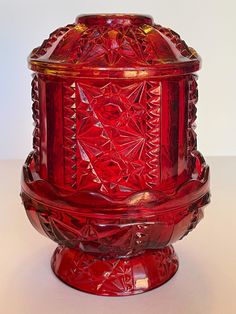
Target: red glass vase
[[115, 176]]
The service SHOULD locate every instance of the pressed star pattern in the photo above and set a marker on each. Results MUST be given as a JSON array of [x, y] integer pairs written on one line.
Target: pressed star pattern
[[108, 126]]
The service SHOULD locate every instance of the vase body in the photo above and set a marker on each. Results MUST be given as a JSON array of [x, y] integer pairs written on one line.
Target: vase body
[[115, 176]]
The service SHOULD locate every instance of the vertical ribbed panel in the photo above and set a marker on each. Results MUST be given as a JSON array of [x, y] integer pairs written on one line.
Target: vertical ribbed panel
[[192, 110], [36, 118], [43, 129], [183, 125], [55, 158], [170, 131], [173, 102]]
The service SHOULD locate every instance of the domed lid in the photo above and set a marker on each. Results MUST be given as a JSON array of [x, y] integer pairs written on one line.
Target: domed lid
[[114, 45]]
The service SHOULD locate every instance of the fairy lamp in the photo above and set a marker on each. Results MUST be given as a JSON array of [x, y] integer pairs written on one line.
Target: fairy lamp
[[115, 176]]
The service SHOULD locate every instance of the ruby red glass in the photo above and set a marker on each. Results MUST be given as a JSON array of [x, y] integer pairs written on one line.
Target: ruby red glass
[[114, 176]]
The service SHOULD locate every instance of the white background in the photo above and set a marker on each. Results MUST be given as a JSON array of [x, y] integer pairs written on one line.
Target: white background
[[208, 26], [206, 281]]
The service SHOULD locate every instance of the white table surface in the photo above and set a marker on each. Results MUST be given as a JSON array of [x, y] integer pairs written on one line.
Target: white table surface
[[204, 284]]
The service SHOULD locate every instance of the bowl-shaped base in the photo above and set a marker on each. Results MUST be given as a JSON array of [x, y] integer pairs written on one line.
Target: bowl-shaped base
[[114, 277]]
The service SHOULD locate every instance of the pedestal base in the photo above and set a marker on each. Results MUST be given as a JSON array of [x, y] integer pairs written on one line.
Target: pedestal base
[[114, 277]]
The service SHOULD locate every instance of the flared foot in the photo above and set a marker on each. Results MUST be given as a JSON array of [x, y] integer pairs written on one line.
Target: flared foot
[[114, 277]]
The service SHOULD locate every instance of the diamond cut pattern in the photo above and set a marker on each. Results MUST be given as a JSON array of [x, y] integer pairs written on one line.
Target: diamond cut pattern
[[119, 276], [115, 46], [106, 128], [153, 133], [70, 146]]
